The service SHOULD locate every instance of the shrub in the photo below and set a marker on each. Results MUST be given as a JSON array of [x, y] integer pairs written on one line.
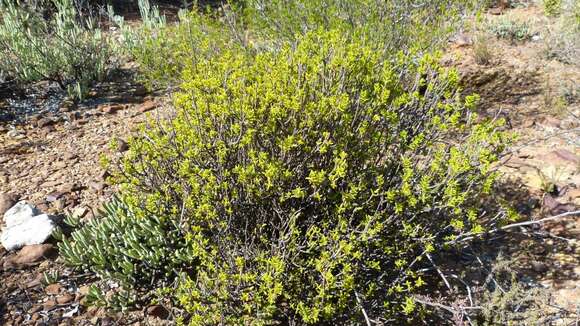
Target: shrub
[[398, 25], [510, 29], [139, 254], [65, 48], [164, 51], [306, 185], [552, 7], [254, 25], [562, 37]]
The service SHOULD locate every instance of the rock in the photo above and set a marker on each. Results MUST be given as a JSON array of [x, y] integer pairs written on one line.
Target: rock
[[49, 304], [32, 231], [111, 108], [35, 316], [43, 122], [157, 311], [19, 213], [147, 106], [60, 204], [566, 155], [104, 175], [140, 91], [539, 267], [121, 145], [29, 255], [53, 289], [97, 186], [7, 201], [53, 196], [70, 156], [496, 11], [463, 40], [80, 212], [15, 134], [65, 298], [47, 129]]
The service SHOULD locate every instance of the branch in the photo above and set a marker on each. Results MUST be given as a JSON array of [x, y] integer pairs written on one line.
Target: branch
[[551, 218]]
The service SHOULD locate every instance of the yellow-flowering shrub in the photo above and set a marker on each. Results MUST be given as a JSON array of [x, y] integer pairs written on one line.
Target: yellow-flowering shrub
[[310, 182]]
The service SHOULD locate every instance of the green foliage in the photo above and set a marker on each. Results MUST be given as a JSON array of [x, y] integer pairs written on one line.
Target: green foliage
[[406, 25], [304, 184], [139, 254], [552, 7], [510, 29], [65, 48], [165, 51]]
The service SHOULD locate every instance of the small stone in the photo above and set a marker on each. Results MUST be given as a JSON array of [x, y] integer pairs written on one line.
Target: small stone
[[140, 91], [35, 309], [147, 106], [539, 267], [65, 298], [53, 289], [49, 304], [60, 164], [29, 255], [122, 146], [43, 122], [158, 311], [104, 175], [60, 204], [70, 156], [97, 186], [54, 196], [111, 108], [47, 129], [35, 316], [80, 212]]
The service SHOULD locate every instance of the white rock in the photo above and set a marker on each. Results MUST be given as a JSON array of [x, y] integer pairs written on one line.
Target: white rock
[[34, 230], [20, 213]]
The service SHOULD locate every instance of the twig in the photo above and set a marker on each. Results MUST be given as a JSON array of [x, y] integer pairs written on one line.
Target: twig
[[546, 219], [439, 272], [363, 309]]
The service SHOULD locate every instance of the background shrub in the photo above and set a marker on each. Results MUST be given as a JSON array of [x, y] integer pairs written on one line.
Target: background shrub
[[510, 29], [255, 25], [308, 184], [64, 48]]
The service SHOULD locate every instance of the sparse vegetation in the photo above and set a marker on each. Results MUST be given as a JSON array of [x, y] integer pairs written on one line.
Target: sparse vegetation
[[482, 50], [66, 49]]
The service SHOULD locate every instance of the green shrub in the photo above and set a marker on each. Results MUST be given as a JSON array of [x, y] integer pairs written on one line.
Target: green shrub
[[138, 253], [164, 51], [255, 25], [65, 48], [552, 7], [510, 29], [398, 25], [305, 185]]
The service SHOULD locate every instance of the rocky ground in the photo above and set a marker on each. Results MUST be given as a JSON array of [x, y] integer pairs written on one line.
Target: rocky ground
[[50, 153]]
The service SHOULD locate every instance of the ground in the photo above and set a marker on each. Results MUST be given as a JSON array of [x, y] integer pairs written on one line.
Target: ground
[[50, 152]]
